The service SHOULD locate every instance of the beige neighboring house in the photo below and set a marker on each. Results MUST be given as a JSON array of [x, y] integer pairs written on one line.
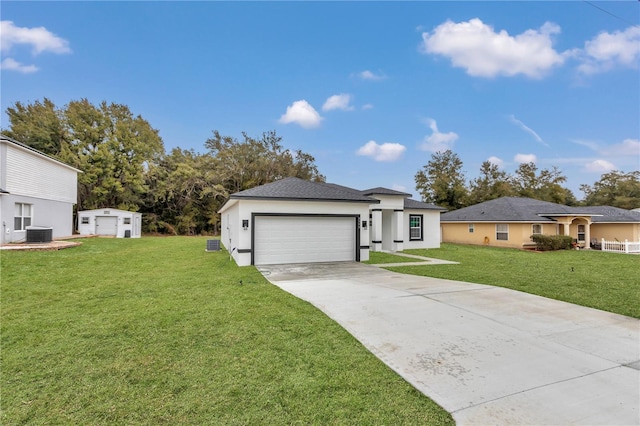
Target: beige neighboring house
[[510, 222]]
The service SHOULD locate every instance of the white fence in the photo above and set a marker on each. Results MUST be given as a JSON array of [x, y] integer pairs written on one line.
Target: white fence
[[621, 246]]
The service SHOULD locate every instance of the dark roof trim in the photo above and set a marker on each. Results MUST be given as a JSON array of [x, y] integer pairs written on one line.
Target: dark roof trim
[[336, 200]]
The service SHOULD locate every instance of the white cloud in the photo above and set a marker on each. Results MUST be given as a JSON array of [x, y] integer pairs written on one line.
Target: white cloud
[[527, 129], [599, 166], [385, 152], [400, 188], [437, 141], [301, 113], [40, 39], [609, 50], [13, 65], [525, 158], [497, 161], [589, 144], [371, 76], [483, 52], [628, 147], [340, 101], [367, 106]]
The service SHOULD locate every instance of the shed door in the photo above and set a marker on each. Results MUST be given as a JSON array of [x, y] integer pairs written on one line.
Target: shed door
[[106, 225], [304, 239]]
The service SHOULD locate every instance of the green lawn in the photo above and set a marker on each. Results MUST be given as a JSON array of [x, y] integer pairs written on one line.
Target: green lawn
[[607, 281], [157, 331]]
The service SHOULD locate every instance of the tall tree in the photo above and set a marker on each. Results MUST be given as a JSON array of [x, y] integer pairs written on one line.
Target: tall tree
[[184, 195], [251, 162], [40, 125], [616, 189], [442, 181], [491, 184], [110, 145], [545, 185]]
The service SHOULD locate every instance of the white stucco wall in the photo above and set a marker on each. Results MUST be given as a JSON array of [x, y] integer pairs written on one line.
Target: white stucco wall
[[238, 241], [430, 229], [45, 213], [134, 227]]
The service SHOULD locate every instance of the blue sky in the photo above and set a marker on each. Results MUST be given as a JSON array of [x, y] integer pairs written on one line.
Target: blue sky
[[371, 89]]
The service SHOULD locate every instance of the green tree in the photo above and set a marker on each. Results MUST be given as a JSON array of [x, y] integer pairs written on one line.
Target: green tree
[[442, 181], [252, 162], [491, 184], [184, 195], [616, 189], [545, 185], [112, 147], [40, 125]]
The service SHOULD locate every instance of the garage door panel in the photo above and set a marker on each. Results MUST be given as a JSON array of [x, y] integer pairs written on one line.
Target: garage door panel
[[304, 239], [106, 225]]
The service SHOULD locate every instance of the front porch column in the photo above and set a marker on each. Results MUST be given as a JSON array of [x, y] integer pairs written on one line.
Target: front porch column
[[566, 229], [398, 227], [587, 235], [376, 230]]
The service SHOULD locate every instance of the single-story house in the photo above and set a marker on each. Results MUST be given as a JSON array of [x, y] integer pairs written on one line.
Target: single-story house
[[36, 191], [510, 222], [298, 221], [110, 222]]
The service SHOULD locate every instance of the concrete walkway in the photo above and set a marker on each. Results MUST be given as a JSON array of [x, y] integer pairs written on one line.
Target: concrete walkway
[[487, 355], [422, 261]]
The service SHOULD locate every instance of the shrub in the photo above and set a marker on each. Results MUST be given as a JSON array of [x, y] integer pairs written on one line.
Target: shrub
[[552, 242]]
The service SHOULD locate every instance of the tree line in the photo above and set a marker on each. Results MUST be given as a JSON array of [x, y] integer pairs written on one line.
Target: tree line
[[125, 166], [442, 182]]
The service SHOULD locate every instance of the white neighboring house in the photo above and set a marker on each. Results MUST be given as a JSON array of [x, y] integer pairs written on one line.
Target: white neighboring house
[[110, 222], [298, 221], [35, 191]]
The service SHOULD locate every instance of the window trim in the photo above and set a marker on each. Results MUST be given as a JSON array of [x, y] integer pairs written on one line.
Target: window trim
[[22, 217], [472, 228], [584, 232], [421, 227], [533, 229], [126, 221], [499, 232], [84, 220]]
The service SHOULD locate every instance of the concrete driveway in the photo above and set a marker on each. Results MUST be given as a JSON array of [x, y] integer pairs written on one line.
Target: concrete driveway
[[487, 355]]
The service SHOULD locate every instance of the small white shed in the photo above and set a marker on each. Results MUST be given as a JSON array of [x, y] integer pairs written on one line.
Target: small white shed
[[110, 222]]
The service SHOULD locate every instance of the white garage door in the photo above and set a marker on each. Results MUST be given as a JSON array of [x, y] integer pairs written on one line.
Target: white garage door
[[304, 239], [106, 225]]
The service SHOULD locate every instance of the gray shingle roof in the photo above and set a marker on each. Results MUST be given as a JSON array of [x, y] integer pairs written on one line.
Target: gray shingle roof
[[384, 191], [513, 209], [419, 205], [293, 188], [613, 214]]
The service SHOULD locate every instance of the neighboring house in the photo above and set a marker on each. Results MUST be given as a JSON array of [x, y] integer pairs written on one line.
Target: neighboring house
[[36, 190], [510, 222], [110, 222], [298, 221]]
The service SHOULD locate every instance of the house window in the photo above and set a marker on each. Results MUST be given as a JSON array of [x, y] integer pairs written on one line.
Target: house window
[[84, 220], [127, 221], [581, 232], [471, 228], [415, 227], [536, 228], [502, 231], [22, 217]]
